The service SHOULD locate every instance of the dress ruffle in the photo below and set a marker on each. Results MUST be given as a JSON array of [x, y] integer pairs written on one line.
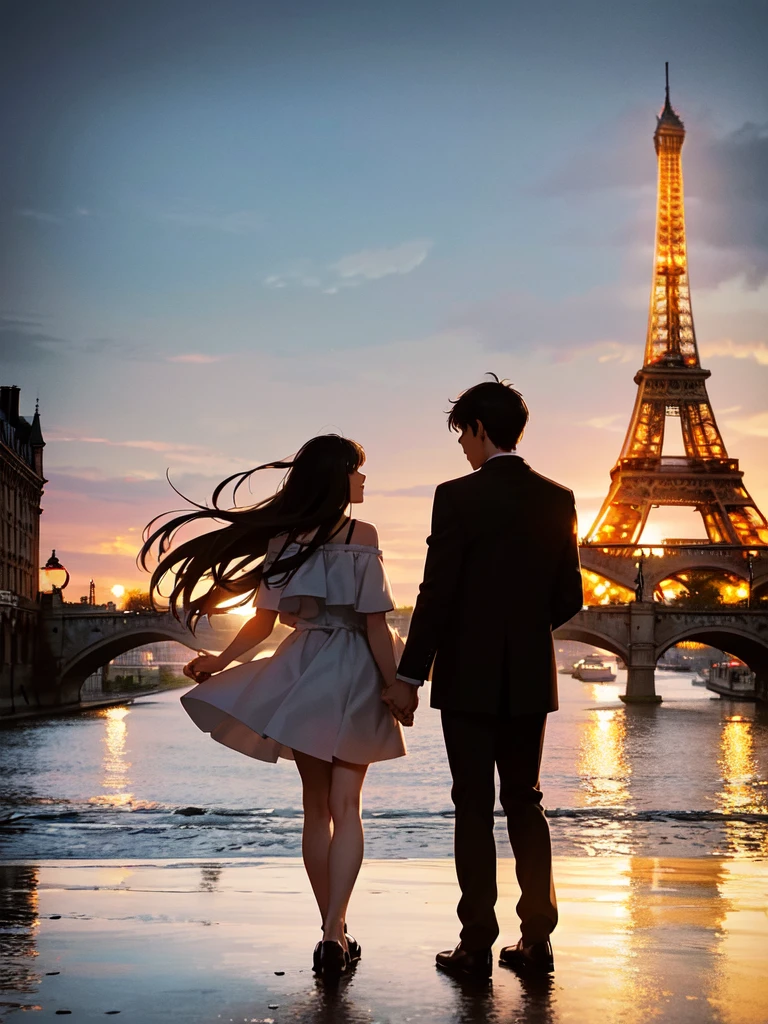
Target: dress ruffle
[[339, 574]]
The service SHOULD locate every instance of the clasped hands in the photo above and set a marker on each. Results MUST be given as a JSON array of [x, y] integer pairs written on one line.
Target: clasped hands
[[402, 699]]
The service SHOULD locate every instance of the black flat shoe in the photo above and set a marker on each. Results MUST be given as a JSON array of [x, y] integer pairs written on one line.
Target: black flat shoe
[[462, 963], [537, 958], [354, 951], [333, 959]]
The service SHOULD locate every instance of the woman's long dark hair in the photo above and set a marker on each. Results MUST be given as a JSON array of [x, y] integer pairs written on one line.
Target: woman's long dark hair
[[229, 562]]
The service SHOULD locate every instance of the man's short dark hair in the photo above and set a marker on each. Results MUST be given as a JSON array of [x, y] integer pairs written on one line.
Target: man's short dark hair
[[497, 405]]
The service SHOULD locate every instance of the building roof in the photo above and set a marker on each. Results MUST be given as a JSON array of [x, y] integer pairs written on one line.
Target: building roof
[[17, 433]]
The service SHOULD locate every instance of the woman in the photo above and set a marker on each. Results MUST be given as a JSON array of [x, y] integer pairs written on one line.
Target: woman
[[319, 699]]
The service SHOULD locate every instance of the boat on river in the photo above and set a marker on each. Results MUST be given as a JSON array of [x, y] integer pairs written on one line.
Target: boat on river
[[593, 670], [732, 679]]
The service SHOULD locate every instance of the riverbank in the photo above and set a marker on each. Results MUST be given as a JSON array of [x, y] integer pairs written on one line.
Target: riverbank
[[111, 701], [671, 940], [108, 699]]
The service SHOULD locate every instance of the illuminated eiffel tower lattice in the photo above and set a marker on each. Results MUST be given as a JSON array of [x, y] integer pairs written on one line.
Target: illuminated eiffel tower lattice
[[672, 384]]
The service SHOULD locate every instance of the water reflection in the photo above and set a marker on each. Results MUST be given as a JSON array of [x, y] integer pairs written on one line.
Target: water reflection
[[741, 792], [604, 771], [740, 995], [19, 922], [210, 875], [115, 765], [508, 998], [674, 905]]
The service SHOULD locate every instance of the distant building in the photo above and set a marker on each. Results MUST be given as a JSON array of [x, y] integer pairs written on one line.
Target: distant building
[[21, 487]]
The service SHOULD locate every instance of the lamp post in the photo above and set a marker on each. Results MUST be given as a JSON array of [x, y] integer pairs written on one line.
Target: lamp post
[[56, 576]]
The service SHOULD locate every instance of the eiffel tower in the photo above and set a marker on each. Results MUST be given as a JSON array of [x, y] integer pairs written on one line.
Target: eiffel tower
[[671, 384]]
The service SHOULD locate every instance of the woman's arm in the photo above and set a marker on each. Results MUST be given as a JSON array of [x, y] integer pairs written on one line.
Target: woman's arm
[[254, 632], [380, 641]]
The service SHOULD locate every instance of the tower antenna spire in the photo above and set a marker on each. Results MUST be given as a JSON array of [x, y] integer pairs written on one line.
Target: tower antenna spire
[[666, 73]]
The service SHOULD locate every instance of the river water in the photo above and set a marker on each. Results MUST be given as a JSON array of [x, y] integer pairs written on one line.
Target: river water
[[688, 777]]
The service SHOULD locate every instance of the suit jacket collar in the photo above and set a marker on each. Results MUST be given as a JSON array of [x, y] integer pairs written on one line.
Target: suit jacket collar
[[511, 464]]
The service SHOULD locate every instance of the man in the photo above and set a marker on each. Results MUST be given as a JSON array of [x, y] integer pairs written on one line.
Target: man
[[502, 572]]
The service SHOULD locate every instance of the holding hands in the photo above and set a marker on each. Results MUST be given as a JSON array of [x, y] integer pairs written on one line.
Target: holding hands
[[402, 699]]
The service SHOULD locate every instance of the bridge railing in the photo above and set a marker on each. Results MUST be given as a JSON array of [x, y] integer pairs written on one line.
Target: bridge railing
[[671, 548]]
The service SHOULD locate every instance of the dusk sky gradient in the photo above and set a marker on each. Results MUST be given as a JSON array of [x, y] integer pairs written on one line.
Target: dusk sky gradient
[[226, 227]]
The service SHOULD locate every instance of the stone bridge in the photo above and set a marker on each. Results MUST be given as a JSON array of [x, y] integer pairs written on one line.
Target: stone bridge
[[639, 633], [76, 640], [79, 639], [617, 562]]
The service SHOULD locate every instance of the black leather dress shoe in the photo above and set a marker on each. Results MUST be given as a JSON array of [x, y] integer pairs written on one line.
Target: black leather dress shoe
[[534, 959], [461, 962]]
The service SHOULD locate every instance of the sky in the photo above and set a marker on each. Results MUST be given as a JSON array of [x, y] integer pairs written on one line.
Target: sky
[[225, 228]]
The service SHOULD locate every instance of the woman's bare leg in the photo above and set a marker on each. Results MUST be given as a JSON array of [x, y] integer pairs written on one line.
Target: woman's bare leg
[[346, 850], [317, 832]]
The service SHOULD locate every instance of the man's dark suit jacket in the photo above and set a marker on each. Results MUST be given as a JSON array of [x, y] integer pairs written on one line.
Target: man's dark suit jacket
[[502, 572]]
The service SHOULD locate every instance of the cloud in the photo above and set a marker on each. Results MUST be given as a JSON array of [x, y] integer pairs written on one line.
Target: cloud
[[147, 489], [236, 222], [42, 217], [302, 273], [754, 426], [373, 264], [608, 422], [39, 215], [352, 270], [25, 340], [194, 357], [605, 324], [730, 182], [757, 350], [419, 491], [184, 454]]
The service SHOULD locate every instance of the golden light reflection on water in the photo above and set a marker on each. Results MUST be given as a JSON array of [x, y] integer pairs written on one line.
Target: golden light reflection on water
[[115, 765], [741, 793], [604, 772], [603, 767]]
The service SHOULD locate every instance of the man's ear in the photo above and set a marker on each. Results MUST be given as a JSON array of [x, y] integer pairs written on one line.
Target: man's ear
[[480, 430]]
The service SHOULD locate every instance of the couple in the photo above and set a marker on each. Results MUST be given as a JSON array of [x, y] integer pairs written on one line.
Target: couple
[[502, 571]]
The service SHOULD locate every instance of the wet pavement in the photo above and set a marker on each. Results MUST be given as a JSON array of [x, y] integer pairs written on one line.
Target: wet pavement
[[640, 939]]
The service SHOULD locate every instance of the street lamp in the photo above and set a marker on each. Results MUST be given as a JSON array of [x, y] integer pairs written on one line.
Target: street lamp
[[56, 576]]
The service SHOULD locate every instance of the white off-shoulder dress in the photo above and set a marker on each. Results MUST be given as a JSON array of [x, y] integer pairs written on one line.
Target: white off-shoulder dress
[[320, 692]]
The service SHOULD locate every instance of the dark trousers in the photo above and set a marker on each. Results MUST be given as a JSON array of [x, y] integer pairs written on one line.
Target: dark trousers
[[476, 744]]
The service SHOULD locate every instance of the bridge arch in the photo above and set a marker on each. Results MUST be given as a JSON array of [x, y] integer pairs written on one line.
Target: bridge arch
[[74, 673], [728, 637], [589, 635], [656, 576]]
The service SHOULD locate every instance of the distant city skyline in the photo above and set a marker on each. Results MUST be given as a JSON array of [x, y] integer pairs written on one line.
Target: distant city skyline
[[226, 229]]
